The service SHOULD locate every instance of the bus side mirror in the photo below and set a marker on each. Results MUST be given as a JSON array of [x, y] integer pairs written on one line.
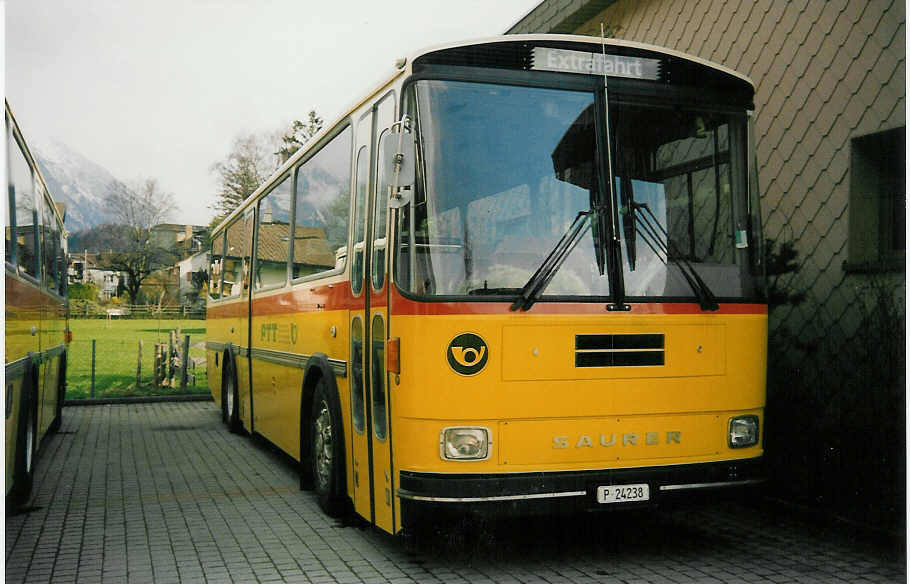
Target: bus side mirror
[[397, 153]]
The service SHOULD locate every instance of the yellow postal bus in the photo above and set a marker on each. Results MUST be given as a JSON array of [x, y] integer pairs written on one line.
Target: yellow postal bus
[[523, 272], [36, 313]]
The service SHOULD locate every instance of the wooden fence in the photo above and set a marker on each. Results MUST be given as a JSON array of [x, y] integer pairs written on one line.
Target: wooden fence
[[87, 309]]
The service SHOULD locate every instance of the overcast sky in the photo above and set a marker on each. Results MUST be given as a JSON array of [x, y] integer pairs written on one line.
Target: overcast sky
[[160, 88]]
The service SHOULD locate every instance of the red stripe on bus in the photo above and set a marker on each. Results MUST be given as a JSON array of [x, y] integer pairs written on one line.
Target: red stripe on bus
[[338, 296], [323, 297], [406, 306]]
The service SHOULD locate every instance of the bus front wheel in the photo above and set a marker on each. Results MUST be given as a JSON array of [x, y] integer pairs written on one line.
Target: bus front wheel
[[327, 451]]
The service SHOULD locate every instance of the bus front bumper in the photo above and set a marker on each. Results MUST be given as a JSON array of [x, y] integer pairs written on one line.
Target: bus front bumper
[[576, 490]]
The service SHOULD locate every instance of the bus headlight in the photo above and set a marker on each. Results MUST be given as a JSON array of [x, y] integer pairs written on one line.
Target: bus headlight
[[465, 443], [743, 431]]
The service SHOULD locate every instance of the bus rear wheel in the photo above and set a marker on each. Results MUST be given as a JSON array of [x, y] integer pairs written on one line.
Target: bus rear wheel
[[327, 451], [26, 447], [230, 413]]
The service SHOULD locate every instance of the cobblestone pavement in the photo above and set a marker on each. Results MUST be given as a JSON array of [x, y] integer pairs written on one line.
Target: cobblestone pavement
[[163, 493]]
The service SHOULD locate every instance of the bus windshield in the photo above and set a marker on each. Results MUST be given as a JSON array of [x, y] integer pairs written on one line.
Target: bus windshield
[[680, 185], [508, 169], [494, 204]]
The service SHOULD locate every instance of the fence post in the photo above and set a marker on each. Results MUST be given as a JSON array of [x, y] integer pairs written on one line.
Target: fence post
[[157, 370], [93, 369], [162, 364], [139, 365], [170, 358], [186, 358]]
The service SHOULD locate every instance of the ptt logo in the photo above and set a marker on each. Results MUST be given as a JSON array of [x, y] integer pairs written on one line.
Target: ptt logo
[[467, 354]]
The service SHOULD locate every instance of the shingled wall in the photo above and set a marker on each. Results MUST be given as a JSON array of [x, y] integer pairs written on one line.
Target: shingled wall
[[827, 74]]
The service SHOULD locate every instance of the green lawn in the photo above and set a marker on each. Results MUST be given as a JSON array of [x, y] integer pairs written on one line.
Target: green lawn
[[116, 351]]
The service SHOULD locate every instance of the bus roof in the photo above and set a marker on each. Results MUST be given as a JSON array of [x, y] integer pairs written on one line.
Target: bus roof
[[570, 38]]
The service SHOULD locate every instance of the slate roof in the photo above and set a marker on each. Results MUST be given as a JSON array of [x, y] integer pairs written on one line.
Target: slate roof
[[310, 244]]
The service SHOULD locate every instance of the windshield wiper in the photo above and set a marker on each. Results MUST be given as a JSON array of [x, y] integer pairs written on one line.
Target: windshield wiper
[[651, 232], [551, 264], [485, 291]]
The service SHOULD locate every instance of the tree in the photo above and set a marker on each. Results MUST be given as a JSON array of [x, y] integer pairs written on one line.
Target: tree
[[139, 209], [100, 238], [246, 167], [300, 133], [253, 158]]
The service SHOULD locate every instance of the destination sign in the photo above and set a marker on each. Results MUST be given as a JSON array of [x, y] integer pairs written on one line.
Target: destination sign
[[547, 59]]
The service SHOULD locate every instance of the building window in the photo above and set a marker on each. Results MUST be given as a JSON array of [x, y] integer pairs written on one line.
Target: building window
[[878, 201]]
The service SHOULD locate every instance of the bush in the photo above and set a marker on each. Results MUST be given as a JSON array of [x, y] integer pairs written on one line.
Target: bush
[[80, 308], [835, 429], [87, 291]]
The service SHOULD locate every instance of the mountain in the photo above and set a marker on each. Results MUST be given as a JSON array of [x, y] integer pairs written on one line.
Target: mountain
[[77, 181]]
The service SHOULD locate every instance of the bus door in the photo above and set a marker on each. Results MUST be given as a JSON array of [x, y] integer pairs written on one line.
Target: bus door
[[237, 286], [381, 436], [47, 377], [370, 440], [360, 444], [274, 386]]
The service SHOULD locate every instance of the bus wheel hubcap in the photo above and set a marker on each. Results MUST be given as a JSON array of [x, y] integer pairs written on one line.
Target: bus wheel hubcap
[[322, 445], [29, 443], [230, 400]]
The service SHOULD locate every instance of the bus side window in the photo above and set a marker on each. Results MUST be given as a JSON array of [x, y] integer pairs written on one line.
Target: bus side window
[[378, 380], [272, 237], [377, 264], [48, 242], [61, 259], [215, 270], [358, 415], [234, 258], [323, 198], [8, 224], [8, 230], [26, 215], [363, 178], [385, 116]]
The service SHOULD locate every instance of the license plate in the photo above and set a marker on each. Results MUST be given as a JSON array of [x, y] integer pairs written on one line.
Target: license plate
[[623, 493]]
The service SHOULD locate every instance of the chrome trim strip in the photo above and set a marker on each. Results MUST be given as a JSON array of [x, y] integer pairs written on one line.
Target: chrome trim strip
[[280, 357], [619, 350], [339, 367], [215, 346], [407, 495], [710, 485], [17, 368], [54, 352], [296, 360]]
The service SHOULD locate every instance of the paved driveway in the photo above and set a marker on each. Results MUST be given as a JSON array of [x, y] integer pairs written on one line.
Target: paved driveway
[[163, 493]]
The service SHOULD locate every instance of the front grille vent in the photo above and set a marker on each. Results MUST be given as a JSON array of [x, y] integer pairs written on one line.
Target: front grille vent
[[619, 350]]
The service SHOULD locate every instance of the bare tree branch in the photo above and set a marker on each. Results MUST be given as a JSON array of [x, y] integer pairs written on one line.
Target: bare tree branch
[[139, 209]]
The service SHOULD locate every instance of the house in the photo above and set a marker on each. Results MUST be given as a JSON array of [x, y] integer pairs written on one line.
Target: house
[[191, 273], [186, 240], [86, 267]]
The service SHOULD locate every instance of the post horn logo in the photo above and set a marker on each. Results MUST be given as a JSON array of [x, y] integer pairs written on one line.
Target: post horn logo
[[467, 354]]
